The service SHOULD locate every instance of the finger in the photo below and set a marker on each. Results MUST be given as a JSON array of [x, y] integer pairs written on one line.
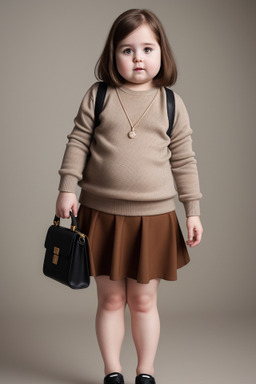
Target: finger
[[190, 243], [75, 208], [196, 240], [57, 210], [190, 234], [65, 214]]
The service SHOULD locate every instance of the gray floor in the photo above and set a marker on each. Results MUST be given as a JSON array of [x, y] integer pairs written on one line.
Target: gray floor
[[194, 349]]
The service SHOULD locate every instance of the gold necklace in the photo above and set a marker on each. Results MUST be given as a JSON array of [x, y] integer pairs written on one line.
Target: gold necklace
[[132, 133]]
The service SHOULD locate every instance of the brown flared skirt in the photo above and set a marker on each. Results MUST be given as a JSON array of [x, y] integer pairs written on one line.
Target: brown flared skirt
[[138, 247]]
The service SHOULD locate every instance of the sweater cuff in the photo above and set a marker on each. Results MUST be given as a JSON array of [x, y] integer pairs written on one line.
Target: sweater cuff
[[68, 184], [192, 208]]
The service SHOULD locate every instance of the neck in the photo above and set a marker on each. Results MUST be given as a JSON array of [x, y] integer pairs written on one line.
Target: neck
[[139, 87]]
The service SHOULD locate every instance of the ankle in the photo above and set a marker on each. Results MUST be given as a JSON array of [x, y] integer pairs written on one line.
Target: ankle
[[115, 368], [141, 371]]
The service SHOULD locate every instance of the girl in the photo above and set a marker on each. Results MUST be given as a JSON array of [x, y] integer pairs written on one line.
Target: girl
[[127, 187]]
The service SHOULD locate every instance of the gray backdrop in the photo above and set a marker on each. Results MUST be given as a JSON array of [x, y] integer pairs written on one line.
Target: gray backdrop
[[48, 52]]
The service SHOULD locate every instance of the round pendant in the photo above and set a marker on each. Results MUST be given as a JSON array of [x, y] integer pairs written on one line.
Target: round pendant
[[132, 134]]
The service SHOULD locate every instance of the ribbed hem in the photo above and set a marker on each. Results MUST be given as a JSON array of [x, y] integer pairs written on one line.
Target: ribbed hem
[[192, 208], [68, 184], [126, 207]]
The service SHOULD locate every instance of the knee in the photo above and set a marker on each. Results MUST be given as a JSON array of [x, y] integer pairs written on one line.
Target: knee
[[112, 302], [141, 303]]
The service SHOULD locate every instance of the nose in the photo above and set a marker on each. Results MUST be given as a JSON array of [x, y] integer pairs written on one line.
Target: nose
[[137, 59]]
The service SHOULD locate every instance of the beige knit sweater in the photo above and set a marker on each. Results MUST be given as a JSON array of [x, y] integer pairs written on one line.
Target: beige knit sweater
[[131, 177]]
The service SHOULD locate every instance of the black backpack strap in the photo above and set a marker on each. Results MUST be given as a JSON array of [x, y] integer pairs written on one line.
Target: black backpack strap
[[101, 93], [170, 109]]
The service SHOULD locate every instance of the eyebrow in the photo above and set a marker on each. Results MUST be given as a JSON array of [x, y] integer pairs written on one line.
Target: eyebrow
[[130, 45]]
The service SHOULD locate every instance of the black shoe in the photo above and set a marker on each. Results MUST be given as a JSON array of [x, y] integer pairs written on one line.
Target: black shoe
[[145, 379], [114, 378]]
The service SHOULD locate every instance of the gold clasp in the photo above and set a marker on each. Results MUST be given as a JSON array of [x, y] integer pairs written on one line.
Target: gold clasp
[[56, 255], [82, 237]]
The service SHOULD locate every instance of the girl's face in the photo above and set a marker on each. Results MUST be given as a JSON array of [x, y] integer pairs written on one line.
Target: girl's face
[[138, 58]]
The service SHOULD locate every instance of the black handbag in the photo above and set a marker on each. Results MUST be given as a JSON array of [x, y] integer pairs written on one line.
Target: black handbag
[[67, 255]]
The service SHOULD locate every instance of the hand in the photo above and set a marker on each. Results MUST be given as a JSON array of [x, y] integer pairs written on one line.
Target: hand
[[195, 231], [66, 201]]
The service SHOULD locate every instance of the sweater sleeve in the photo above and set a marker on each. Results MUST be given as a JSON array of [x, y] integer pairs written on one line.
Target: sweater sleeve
[[78, 146], [183, 162]]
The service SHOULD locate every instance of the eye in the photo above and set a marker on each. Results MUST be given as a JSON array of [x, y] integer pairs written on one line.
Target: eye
[[148, 49], [127, 51]]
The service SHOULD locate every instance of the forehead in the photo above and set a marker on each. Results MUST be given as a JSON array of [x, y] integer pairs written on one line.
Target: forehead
[[143, 34]]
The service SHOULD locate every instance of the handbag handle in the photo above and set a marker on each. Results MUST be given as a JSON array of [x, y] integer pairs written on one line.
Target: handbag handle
[[74, 223]]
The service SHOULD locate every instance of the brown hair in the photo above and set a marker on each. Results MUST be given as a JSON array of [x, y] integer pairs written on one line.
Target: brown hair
[[125, 24]]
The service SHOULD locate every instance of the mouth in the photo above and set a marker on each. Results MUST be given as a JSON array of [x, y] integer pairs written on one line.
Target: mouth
[[139, 69]]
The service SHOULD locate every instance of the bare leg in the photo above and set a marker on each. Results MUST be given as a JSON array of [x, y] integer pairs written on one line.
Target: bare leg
[[142, 301], [110, 321]]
